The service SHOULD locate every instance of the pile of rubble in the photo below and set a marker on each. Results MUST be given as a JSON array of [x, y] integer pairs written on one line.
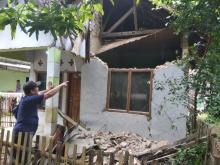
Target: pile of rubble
[[113, 144], [117, 142], [142, 149]]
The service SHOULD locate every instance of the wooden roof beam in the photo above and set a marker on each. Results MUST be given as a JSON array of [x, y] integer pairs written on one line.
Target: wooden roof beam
[[107, 20], [113, 35], [126, 15], [135, 15]]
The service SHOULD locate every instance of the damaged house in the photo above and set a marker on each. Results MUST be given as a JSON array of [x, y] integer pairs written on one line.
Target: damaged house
[[116, 89], [137, 47]]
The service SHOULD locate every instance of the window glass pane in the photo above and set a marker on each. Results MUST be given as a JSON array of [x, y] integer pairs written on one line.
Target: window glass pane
[[118, 92], [139, 91]]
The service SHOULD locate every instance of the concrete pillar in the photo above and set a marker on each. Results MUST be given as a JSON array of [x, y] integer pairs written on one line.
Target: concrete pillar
[[95, 33], [33, 76], [53, 75]]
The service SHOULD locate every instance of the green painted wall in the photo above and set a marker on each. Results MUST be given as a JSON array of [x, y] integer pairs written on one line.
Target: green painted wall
[[8, 79]]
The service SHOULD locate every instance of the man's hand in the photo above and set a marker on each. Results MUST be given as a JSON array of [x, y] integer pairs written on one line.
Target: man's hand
[[65, 84], [56, 89], [49, 87]]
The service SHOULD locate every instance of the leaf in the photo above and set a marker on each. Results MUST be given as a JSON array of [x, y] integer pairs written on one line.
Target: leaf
[[98, 8], [13, 27], [4, 20], [112, 2], [34, 2], [37, 34], [15, 2], [23, 28], [137, 2], [46, 31], [53, 34], [57, 19], [31, 31], [9, 3]]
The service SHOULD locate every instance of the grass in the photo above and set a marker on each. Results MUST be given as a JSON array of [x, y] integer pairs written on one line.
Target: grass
[[205, 117], [215, 122]]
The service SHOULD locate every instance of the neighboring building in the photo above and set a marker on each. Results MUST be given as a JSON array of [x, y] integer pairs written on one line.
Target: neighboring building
[[117, 90], [12, 70]]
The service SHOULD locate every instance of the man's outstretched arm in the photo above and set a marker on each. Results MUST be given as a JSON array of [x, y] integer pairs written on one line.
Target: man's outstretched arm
[[55, 90], [49, 87]]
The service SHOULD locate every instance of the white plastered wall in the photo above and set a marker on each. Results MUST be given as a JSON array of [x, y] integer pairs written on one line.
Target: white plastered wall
[[93, 100], [22, 41], [40, 62]]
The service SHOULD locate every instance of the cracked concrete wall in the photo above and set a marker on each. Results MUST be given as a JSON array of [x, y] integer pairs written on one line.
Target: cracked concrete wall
[[165, 114]]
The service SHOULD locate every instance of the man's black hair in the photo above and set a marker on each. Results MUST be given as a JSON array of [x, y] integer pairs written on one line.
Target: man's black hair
[[30, 85]]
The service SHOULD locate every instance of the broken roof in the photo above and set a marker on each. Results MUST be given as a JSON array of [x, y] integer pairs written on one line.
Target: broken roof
[[149, 39], [148, 17]]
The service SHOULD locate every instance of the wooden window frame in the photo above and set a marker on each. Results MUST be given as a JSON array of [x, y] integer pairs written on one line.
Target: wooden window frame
[[149, 92]]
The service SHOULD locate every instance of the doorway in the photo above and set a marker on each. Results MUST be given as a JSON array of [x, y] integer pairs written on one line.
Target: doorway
[[73, 102]]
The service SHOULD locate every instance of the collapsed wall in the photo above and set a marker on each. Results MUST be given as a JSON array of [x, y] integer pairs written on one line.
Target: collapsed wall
[[167, 119]]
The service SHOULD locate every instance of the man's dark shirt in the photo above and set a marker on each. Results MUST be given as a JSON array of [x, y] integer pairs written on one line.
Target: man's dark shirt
[[27, 117]]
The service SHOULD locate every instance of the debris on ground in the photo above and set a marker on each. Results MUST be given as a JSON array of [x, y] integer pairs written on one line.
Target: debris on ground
[[115, 143], [120, 144]]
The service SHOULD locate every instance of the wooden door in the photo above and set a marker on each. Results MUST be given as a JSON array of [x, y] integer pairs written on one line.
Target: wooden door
[[73, 110]]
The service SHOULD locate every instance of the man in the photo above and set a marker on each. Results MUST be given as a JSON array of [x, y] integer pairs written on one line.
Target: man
[[27, 115], [18, 86]]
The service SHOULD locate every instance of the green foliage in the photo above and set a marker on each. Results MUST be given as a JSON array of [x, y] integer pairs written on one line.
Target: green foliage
[[200, 17], [57, 18], [136, 1], [194, 155]]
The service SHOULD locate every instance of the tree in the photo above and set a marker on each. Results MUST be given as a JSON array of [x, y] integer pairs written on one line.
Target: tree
[[201, 18], [60, 18]]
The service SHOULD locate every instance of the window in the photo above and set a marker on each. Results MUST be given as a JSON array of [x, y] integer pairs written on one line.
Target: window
[[130, 90]]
